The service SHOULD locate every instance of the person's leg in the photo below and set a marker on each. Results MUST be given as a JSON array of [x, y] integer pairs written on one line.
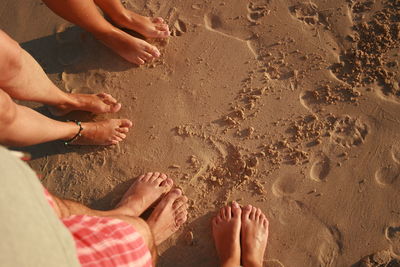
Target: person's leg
[[226, 232], [22, 78], [254, 235], [16, 119], [148, 27], [86, 15]]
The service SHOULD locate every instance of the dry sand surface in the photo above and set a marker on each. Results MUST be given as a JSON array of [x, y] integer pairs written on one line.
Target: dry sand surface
[[287, 105]]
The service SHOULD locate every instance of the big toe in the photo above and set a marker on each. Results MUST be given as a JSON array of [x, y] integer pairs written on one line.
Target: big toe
[[125, 123], [153, 51], [236, 210], [173, 195]]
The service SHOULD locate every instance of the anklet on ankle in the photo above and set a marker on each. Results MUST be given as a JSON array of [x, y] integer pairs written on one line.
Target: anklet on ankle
[[77, 135]]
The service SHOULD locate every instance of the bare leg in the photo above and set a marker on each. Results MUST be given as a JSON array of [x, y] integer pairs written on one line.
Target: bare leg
[[23, 79], [66, 208], [168, 216], [226, 232], [148, 27], [254, 236], [145, 191], [86, 15], [22, 126]]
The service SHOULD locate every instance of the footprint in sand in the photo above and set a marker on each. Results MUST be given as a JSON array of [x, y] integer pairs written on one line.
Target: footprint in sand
[[70, 50], [392, 234], [387, 175], [379, 259], [286, 185], [179, 28], [307, 12], [256, 12], [213, 22], [320, 169], [273, 263], [396, 153], [349, 132]]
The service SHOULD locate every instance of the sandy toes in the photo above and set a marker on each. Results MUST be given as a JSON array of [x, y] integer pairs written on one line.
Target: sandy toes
[[168, 216], [132, 49], [95, 103], [226, 232], [254, 236], [145, 191], [108, 132], [148, 27]]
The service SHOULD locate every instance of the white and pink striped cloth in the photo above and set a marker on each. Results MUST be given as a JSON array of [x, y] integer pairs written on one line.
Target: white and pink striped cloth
[[104, 241]]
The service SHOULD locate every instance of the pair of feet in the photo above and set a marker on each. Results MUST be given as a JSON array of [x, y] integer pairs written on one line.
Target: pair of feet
[[170, 211], [107, 132], [133, 49], [240, 235]]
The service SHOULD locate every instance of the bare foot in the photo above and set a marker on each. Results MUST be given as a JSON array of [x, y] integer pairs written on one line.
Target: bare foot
[[226, 232], [95, 103], [148, 27], [108, 132], [132, 49], [146, 190], [254, 236], [168, 216]]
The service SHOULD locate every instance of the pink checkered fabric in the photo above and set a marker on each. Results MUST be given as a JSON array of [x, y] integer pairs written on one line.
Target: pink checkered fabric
[[103, 241]]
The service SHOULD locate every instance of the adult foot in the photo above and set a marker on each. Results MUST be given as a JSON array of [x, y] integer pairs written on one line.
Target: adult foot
[[254, 235], [146, 190], [226, 233], [132, 49], [168, 216], [148, 27], [108, 132], [95, 103]]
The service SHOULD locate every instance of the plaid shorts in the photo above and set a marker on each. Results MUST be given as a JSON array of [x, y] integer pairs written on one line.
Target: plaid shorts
[[104, 241]]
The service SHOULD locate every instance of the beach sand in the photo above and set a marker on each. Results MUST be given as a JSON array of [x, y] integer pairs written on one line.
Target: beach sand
[[287, 105]]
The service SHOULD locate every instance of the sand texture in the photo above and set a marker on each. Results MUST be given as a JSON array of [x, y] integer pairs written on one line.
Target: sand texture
[[288, 105]]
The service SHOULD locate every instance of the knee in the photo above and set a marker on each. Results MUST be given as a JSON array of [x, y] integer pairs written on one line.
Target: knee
[[11, 57], [8, 110]]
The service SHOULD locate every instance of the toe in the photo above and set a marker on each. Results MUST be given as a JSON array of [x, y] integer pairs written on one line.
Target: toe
[[161, 178], [236, 210], [179, 202], [125, 123], [158, 20], [121, 135], [258, 214], [115, 107], [141, 177], [107, 98], [147, 177], [154, 176], [167, 183], [123, 130], [161, 33], [173, 195], [228, 212], [138, 61], [253, 213], [153, 51], [246, 212]]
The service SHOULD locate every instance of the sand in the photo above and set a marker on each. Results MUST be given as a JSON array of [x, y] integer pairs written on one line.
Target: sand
[[287, 105]]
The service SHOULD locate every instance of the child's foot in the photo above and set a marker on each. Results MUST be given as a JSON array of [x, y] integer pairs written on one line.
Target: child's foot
[[226, 233], [95, 103], [146, 190], [148, 27], [254, 236], [132, 49], [108, 132], [168, 216]]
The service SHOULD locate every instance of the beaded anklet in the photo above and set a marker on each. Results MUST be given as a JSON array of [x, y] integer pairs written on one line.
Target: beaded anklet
[[68, 142]]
